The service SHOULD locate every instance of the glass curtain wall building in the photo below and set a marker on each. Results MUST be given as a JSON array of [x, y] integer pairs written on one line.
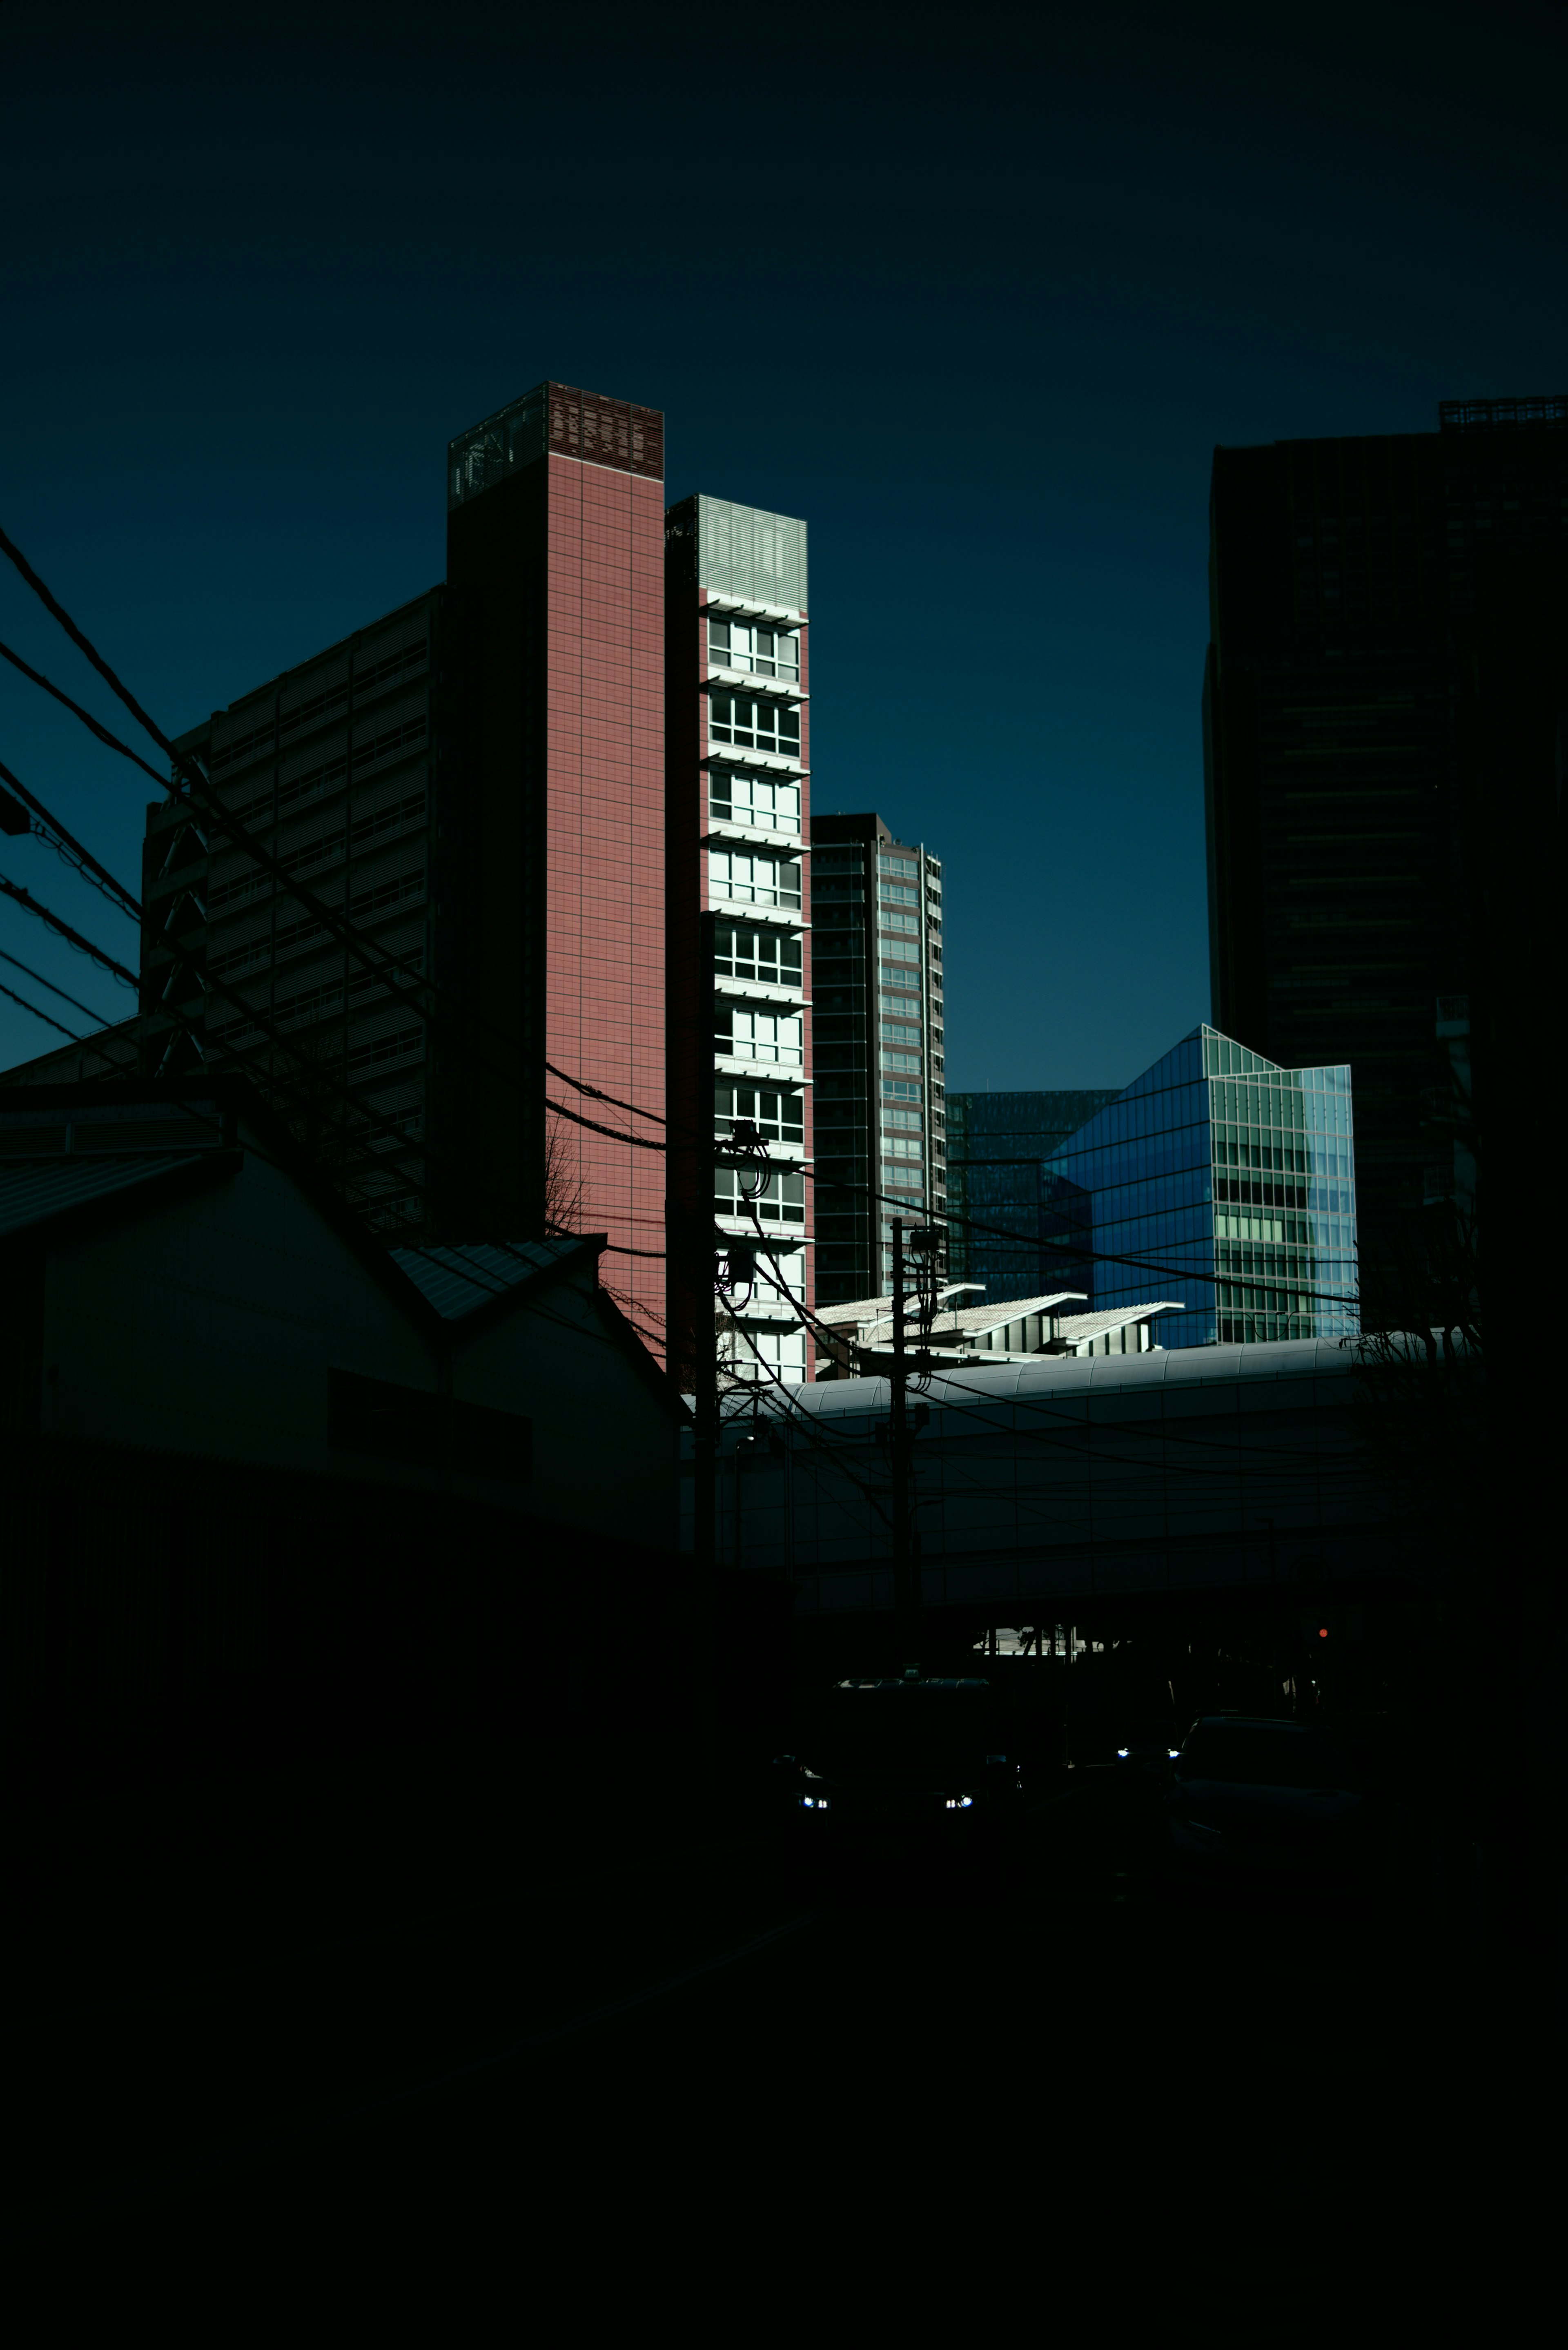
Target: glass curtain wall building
[[1228, 1179], [878, 1047], [998, 1145]]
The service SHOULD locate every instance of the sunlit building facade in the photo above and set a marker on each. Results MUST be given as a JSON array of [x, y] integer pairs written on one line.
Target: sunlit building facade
[[1229, 1181], [738, 821]]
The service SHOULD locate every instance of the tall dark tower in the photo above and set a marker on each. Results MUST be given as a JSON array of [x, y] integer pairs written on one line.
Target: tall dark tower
[[1343, 580]]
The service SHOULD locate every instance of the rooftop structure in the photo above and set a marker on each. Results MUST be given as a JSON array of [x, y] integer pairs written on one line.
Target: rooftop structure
[[1014, 1331]]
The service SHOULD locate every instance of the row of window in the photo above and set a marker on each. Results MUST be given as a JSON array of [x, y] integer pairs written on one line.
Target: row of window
[[756, 880], [323, 851], [740, 951], [777, 1116], [750, 726], [766, 653], [757, 802], [743, 1035], [781, 1200]]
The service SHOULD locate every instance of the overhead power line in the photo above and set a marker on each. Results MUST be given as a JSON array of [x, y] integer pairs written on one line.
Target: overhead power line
[[373, 956], [81, 858], [38, 978], [87, 720], [48, 1019]]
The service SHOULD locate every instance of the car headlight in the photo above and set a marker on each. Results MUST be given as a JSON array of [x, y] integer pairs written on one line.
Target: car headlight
[[959, 1802], [814, 1802]]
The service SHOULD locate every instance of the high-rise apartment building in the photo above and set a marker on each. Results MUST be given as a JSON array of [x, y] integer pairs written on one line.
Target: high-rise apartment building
[[1343, 582], [738, 770], [876, 1047], [476, 783], [998, 1184]]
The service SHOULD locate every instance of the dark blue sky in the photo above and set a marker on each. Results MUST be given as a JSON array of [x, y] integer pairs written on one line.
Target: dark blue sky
[[977, 298]]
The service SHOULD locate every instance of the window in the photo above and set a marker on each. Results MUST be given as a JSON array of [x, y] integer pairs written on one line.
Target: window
[[758, 802], [898, 1032], [758, 1036], [783, 1355], [766, 653], [903, 1117], [910, 1061], [905, 869], [902, 1145], [886, 920], [754, 725], [756, 880], [783, 1201], [900, 1089], [778, 1118], [897, 893], [390, 1422], [770, 956]]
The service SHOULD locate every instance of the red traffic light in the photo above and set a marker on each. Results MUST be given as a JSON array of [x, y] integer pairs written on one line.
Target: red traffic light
[[1323, 1632]]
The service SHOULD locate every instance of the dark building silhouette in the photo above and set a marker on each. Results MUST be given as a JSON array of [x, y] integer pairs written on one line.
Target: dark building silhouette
[[1344, 584], [998, 1144], [876, 1047]]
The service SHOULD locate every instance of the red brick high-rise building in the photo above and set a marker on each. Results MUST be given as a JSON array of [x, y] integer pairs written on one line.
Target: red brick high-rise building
[[555, 566], [476, 783]]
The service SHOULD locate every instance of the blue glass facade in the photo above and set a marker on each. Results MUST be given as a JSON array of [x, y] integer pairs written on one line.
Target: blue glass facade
[[1231, 1182]]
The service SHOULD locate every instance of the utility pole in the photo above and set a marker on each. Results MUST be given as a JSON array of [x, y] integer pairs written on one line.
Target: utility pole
[[906, 1594], [705, 1363]]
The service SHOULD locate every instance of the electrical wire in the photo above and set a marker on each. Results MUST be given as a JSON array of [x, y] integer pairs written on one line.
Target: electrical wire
[[66, 845], [372, 955], [384, 965], [60, 992], [46, 1017]]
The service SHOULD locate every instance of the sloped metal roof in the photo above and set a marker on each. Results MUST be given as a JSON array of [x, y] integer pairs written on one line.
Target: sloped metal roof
[[969, 1319], [1113, 1318], [458, 1279], [35, 1191]]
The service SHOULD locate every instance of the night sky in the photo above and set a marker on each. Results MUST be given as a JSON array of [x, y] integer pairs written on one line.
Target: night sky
[[974, 293]]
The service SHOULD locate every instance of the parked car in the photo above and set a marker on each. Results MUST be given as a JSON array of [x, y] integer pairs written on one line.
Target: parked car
[[1253, 1798], [878, 1757], [1149, 1748]]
